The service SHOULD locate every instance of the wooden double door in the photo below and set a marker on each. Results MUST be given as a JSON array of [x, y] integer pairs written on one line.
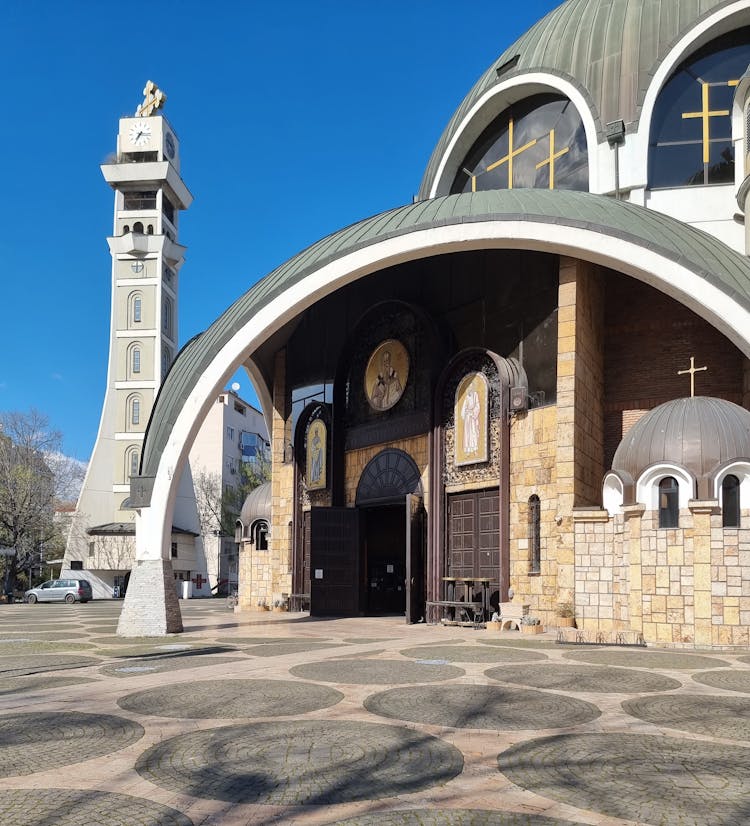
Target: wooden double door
[[473, 541]]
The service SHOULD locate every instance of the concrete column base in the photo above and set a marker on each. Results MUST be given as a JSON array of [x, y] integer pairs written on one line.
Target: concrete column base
[[151, 607]]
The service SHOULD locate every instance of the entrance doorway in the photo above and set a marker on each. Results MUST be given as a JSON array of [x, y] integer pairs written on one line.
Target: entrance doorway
[[384, 559]]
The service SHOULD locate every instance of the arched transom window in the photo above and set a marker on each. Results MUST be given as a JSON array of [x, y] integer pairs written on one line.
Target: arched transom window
[[538, 143], [691, 129]]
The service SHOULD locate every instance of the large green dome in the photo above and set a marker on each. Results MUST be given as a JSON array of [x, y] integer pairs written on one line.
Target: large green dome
[[608, 49]]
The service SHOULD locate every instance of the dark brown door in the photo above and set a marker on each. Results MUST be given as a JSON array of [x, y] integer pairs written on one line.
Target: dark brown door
[[415, 558], [474, 535], [334, 561]]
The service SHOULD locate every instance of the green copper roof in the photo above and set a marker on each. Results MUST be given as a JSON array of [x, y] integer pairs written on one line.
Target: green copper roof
[[608, 49], [701, 253]]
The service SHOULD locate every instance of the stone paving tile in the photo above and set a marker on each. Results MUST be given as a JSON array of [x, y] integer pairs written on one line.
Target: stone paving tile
[[307, 762], [481, 707], [723, 716], [646, 779], [159, 665], [731, 680], [38, 741], [26, 635], [18, 666], [451, 817], [638, 658], [519, 642], [68, 807], [595, 679], [282, 649], [470, 654], [375, 672], [231, 698], [25, 646], [19, 685]]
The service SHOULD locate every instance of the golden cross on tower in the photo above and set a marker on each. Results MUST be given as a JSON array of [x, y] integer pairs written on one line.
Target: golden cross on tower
[[705, 114], [553, 156], [511, 154], [692, 370], [153, 98]]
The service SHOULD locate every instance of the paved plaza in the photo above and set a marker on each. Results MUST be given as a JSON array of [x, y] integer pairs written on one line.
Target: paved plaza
[[265, 718]]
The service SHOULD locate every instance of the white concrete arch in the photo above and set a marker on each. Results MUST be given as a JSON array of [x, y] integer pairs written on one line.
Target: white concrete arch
[[153, 523], [492, 103]]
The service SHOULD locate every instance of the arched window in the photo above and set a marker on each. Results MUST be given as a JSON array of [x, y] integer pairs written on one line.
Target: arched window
[[166, 360], [132, 459], [135, 355], [535, 534], [669, 502], [539, 142], [166, 317], [135, 411], [138, 227], [260, 535], [730, 502], [691, 129]]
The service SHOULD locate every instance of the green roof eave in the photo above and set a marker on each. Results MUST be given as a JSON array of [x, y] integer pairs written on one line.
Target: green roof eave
[[697, 251]]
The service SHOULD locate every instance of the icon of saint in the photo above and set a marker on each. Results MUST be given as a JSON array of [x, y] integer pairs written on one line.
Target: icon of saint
[[386, 389], [470, 413]]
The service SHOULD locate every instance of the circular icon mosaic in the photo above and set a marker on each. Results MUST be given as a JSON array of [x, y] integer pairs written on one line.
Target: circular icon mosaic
[[301, 762], [375, 672], [471, 654], [69, 807], [599, 680], [46, 740], [640, 778], [714, 716], [481, 707], [231, 698]]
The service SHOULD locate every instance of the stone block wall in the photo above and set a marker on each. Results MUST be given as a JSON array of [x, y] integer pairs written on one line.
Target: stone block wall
[[682, 586]]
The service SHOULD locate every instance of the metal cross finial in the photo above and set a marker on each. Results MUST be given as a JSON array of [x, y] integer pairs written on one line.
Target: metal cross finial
[[153, 98], [692, 370]]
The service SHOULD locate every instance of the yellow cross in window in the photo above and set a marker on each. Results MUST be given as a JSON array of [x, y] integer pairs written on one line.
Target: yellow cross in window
[[705, 114], [553, 156], [511, 154]]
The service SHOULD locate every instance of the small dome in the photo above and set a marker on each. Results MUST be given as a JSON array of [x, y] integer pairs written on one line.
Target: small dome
[[257, 505], [701, 434]]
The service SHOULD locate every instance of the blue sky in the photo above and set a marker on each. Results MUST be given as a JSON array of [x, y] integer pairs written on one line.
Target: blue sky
[[295, 119]]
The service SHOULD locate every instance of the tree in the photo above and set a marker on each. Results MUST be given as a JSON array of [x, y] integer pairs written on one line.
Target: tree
[[32, 471]]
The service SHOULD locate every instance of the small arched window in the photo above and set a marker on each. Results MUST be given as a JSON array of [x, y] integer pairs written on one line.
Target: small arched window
[[137, 309], [131, 462], [166, 317], [135, 411], [150, 229], [535, 534], [126, 229], [138, 227], [669, 502], [730, 502], [136, 359], [260, 531]]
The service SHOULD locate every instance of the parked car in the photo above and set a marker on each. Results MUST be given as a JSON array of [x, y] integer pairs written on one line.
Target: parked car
[[60, 590]]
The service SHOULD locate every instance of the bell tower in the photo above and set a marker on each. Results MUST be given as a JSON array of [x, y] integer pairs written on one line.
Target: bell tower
[[149, 195]]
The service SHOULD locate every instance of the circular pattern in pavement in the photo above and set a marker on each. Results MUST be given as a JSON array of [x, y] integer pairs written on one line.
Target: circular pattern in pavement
[[296, 647], [375, 672], [231, 698], [69, 807], [156, 665], [20, 666], [729, 679], [723, 716], [481, 706], [471, 654], [18, 685], [599, 679], [301, 762], [641, 778], [44, 740], [451, 817], [638, 658]]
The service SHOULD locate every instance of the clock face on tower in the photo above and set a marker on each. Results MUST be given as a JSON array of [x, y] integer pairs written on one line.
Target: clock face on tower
[[140, 133]]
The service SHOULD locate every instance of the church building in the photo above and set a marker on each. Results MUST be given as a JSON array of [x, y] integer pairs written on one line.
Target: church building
[[532, 381]]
